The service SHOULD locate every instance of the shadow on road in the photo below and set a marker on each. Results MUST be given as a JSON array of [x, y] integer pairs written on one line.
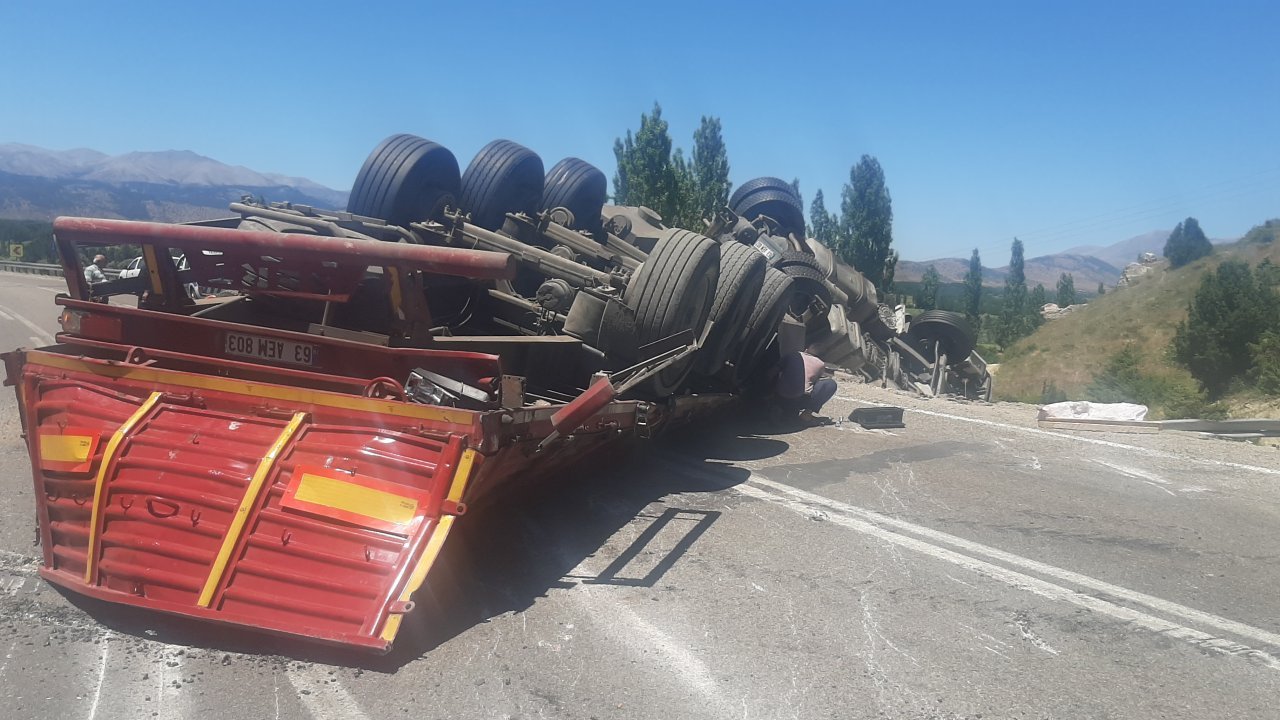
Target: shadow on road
[[504, 557]]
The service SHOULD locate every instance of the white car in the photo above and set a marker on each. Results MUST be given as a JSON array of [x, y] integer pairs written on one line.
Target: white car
[[134, 268]]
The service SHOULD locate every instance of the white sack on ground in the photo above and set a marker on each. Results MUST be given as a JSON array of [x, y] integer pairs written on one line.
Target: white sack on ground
[[1085, 410]]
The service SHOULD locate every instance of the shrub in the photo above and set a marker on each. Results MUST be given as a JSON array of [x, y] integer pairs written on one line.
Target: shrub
[[1121, 380], [1266, 362], [1230, 312]]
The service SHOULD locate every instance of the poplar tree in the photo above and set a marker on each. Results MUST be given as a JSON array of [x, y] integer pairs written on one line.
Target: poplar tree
[[928, 299], [1014, 318], [866, 223], [823, 226], [1066, 290], [973, 291], [710, 172]]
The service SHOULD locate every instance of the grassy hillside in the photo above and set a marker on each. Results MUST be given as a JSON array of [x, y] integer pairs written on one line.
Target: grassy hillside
[[1070, 351]]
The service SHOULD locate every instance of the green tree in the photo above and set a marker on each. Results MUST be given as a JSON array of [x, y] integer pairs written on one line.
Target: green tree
[[1038, 299], [928, 299], [1066, 290], [1186, 243], [647, 174], [890, 267], [973, 291], [866, 222], [1231, 311], [1015, 311], [710, 172], [1266, 362], [1102, 289], [823, 226]]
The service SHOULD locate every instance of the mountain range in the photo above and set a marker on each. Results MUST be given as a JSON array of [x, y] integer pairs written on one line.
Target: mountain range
[[1087, 264], [182, 186], [1086, 271], [166, 186]]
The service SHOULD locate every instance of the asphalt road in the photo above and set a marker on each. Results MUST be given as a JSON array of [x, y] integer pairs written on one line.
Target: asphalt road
[[968, 565]]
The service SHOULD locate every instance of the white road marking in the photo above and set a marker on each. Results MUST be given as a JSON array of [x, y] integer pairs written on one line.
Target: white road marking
[[6, 316], [41, 336], [37, 341], [1133, 472], [644, 639], [7, 657], [133, 692], [11, 584], [104, 641], [323, 699], [1095, 441], [890, 530]]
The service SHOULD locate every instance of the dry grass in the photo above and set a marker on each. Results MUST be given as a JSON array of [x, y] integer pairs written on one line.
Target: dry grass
[[1069, 351]]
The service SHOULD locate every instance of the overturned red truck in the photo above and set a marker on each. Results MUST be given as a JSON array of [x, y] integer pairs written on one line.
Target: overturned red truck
[[282, 432]]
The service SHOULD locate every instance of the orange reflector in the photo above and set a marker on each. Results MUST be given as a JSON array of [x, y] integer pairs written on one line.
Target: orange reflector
[[356, 499], [68, 449]]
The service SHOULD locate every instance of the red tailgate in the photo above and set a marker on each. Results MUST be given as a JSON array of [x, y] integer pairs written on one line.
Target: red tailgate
[[308, 517]]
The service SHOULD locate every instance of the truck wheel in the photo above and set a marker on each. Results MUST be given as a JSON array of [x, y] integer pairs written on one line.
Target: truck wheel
[[581, 188], [504, 177], [405, 179], [809, 285], [949, 330], [742, 271], [772, 197], [775, 298], [671, 292]]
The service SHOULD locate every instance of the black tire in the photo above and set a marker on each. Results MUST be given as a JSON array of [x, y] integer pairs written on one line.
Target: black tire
[[775, 297], [405, 179], [742, 270], [772, 197], [944, 329], [789, 257], [809, 285], [754, 184], [580, 187], [504, 177], [671, 292]]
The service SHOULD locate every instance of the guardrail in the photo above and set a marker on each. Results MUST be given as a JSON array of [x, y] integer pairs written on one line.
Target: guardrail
[[29, 268]]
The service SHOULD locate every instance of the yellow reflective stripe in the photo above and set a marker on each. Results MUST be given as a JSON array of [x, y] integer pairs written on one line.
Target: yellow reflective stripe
[[356, 499], [441, 531], [153, 269], [397, 291], [462, 475], [262, 390], [65, 448], [109, 455], [250, 498]]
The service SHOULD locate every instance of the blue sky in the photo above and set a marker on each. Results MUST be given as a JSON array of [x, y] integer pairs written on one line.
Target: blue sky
[[1061, 123]]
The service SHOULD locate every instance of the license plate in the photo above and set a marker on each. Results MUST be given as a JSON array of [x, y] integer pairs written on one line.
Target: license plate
[[266, 348]]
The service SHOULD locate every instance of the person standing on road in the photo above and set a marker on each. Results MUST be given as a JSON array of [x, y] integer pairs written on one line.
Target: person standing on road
[[801, 387], [93, 273]]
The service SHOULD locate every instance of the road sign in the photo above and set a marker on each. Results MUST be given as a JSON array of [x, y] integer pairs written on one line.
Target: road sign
[[15, 251]]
